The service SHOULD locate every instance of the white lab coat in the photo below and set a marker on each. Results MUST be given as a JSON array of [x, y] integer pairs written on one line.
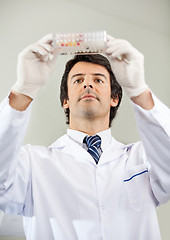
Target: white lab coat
[[64, 195]]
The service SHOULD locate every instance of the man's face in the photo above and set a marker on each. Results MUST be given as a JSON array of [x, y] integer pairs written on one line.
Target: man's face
[[89, 92]]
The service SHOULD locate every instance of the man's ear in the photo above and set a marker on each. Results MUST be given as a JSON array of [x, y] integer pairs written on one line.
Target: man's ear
[[114, 101], [65, 104]]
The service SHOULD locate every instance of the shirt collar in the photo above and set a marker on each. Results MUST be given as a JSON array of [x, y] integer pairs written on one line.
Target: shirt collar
[[78, 137]]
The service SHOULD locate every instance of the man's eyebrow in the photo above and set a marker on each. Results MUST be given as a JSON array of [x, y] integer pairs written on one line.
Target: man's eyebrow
[[78, 74], [99, 74], [82, 74]]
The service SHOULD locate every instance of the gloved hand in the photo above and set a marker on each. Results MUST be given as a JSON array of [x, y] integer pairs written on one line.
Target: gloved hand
[[127, 65], [35, 64]]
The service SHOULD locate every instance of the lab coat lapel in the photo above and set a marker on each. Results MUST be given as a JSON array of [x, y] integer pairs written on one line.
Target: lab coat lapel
[[70, 147], [76, 150], [114, 151]]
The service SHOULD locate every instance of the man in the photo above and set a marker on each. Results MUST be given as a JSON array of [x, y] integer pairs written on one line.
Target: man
[[86, 185]]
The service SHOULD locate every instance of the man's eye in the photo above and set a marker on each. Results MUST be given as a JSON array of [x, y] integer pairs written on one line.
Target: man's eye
[[98, 80], [78, 81]]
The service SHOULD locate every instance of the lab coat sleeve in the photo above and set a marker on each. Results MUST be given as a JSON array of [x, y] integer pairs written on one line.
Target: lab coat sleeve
[[13, 125], [154, 129]]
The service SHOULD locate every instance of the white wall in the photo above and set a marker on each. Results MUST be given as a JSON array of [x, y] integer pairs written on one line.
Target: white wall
[[24, 22]]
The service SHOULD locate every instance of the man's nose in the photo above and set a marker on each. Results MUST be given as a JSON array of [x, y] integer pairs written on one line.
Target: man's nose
[[88, 84]]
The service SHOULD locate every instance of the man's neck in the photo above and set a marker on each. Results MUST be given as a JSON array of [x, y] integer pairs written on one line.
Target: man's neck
[[90, 127]]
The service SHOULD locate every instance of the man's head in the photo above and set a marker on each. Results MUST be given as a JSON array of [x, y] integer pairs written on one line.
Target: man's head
[[89, 87]]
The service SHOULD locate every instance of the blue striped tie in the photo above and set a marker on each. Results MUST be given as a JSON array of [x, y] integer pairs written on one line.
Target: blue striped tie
[[93, 143]]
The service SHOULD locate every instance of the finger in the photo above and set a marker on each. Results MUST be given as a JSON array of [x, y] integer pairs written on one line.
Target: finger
[[53, 55], [50, 56], [115, 48], [39, 49], [117, 43], [121, 47], [41, 57], [32, 49], [47, 39], [109, 37], [48, 47], [121, 54]]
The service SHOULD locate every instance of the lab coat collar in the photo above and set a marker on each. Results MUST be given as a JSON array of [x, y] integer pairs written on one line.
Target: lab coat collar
[[71, 144], [78, 137]]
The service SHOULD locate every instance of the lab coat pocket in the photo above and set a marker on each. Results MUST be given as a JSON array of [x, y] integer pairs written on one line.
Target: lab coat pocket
[[136, 184]]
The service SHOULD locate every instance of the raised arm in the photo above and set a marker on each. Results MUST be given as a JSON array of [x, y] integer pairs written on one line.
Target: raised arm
[[153, 117], [35, 64]]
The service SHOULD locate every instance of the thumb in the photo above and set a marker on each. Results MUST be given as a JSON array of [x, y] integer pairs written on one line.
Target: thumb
[[47, 39]]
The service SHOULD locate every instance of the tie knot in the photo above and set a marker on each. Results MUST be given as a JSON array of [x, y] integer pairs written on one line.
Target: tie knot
[[93, 141]]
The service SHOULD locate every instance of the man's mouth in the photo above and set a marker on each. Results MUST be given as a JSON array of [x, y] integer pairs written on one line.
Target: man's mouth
[[88, 96]]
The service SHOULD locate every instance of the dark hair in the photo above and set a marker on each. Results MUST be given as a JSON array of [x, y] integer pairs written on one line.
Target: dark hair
[[116, 90]]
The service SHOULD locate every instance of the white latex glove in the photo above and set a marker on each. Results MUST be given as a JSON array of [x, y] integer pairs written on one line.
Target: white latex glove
[[127, 65], [35, 64]]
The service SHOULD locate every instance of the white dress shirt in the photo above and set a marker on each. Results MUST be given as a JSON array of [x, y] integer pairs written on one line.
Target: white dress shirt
[[64, 195]]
